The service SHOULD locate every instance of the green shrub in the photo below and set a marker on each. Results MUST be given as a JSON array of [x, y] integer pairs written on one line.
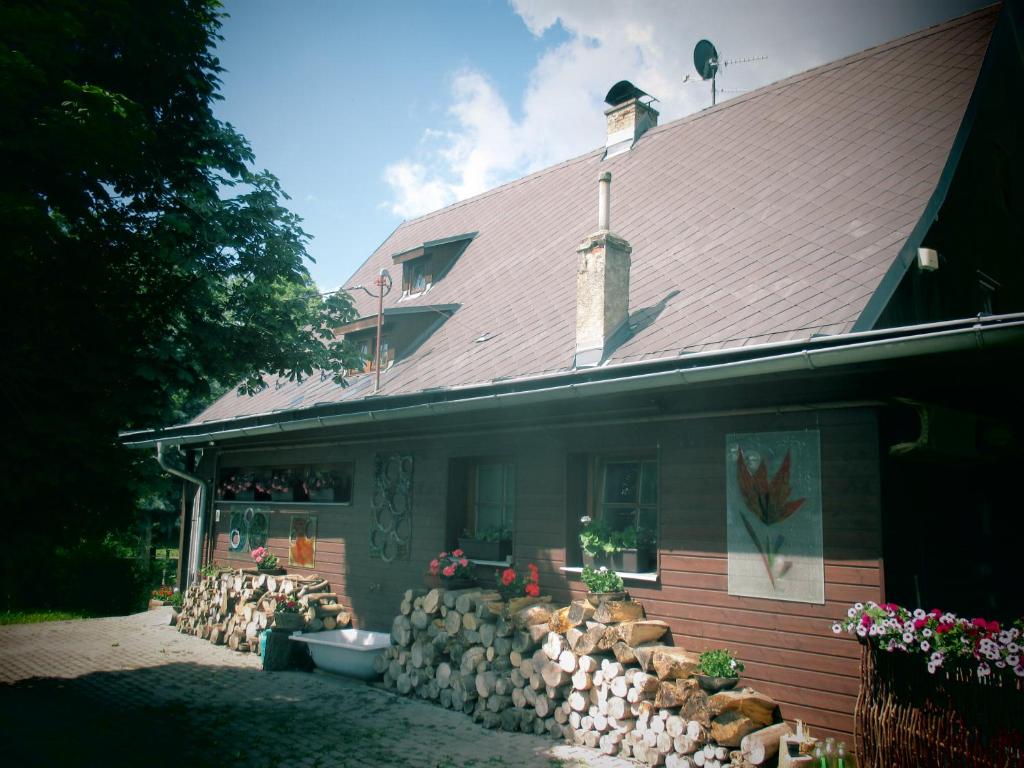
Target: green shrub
[[720, 663], [602, 580]]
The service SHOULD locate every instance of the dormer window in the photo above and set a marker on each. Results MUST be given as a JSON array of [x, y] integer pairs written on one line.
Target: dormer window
[[427, 264], [403, 329]]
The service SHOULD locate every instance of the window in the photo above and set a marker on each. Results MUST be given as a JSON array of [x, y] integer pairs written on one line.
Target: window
[[494, 497], [426, 264], [628, 495]]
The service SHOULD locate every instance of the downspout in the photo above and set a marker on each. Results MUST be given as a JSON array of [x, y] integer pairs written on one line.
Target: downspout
[[198, 517]]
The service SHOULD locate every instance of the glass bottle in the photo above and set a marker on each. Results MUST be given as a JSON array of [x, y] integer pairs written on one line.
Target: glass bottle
[[830, 752], [842, 757], [819, 756]]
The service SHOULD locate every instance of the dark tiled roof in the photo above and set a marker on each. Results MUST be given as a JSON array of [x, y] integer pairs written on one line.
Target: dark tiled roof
[[771, 217]]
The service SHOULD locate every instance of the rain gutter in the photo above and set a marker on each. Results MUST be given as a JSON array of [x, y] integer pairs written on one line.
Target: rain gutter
[[867, 347], [198, 513]]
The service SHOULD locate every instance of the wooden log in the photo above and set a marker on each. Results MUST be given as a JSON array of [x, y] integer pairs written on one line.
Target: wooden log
[[498, 703], [487, 634], [468, 601], [401, 630], [519, 603], [615, 611], [762, 745], [470, 622], [756, 706], [568, 660], [579, 612], [674, 663], [470, 659], [452, 622], [591, 639], [634, 633], [433, 601], [578, 702], [452, 595], [581, 680], [729, 728], [554, 645], [553, 674], [539, 613], [559, 621]]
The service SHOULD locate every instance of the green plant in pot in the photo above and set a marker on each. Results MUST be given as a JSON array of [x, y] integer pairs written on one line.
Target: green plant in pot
[[596, 542], [603, 584], [632, 550], [493, 543], [719, 670]]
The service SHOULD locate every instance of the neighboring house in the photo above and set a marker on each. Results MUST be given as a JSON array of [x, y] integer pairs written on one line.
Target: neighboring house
[[755, 365]]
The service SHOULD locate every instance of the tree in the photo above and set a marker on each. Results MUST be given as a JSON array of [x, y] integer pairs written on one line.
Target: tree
[[146, 262]]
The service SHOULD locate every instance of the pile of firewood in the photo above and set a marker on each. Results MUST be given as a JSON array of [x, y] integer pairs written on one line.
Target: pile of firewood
[[233, 607], [594, 675]]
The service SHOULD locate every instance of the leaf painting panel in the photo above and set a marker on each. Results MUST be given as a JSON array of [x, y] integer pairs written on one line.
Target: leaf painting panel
[[773, 515]]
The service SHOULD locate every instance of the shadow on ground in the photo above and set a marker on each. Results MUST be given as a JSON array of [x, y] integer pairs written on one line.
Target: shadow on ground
[[184, 714]]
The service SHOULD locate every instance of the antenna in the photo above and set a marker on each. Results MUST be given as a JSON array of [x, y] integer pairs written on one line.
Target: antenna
[[707, 62]]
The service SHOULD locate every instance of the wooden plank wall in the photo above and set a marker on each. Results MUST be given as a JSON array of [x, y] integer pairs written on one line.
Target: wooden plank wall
[[789, 648]]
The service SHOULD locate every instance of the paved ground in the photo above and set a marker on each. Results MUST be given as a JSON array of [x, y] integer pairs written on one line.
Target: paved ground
[[131, 691]]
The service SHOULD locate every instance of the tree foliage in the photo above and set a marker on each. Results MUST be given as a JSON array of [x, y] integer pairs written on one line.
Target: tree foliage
[[146, 262]]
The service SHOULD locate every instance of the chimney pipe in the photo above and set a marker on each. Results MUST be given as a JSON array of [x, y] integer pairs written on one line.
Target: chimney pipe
[[602, 286], [604, 202]]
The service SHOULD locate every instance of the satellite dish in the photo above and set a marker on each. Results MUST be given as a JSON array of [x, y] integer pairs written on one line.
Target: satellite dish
[[705, 59]]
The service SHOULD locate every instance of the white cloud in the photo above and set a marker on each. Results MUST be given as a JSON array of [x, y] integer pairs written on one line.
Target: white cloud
[[649, 42]]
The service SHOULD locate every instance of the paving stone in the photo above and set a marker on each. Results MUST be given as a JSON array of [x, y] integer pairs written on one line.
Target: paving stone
[[131, 691]]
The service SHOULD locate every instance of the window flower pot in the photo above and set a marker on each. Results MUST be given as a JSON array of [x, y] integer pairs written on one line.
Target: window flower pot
[[248, 495], [282, 495], [713, 684], [599, 560], [632, 561], [478, 549], [457, 583], [322, 495], [271, 571]]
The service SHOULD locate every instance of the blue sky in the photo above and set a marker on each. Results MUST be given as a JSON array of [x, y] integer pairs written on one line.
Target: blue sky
[[370, 113]]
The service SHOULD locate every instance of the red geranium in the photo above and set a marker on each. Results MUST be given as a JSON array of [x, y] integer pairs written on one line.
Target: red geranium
[[452, 565], [512, 584]]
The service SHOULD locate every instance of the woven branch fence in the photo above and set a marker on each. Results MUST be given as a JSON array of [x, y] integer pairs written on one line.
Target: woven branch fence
[[908, 718]]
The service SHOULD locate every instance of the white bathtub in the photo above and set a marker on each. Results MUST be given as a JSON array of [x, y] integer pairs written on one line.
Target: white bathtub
[[348, 652]]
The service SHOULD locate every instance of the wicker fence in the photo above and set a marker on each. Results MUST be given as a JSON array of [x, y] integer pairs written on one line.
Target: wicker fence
[[908, 718]]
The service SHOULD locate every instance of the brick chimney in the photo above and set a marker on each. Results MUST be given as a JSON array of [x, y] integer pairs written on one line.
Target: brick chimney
[[628, 117], [602, 286]]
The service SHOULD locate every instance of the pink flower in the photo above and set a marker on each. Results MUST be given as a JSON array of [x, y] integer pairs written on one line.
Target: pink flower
[[457, 553], [449, 571], [920, 623], [866, 620], [434, 565], [508, 576], [464, 563]]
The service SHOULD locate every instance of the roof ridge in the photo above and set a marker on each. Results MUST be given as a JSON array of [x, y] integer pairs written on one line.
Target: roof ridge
[[686, 119]]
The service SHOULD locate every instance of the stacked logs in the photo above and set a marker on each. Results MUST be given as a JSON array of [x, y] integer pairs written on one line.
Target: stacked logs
[[594, 675], [232, 607]]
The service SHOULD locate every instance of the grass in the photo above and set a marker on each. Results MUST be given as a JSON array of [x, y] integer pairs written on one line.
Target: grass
[[36, 617]]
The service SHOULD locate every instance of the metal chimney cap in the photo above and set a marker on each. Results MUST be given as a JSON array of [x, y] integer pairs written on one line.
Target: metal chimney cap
[[622, 92]]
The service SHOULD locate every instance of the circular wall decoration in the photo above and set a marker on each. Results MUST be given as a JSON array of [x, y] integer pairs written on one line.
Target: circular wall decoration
[[391, 523]]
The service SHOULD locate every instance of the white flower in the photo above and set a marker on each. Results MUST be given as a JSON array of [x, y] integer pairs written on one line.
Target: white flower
[[937, 656], [851, 612], [1005, 637], [926, 646], [983, 669], [1013, 660], [926, 632], [948, 618], [1001, 664], [837, 628], [919, 613], [1019, 670], [859, 606], [908, 637], [931, 667], [1012, 647], [585, 519], [861, 631]]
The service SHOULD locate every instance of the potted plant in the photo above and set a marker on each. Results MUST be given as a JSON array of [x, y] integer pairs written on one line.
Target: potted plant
[[512, 585], [162, 596], [494, 543], [265, 562], [240, 486], [282, 485], [319, 485], [719, 670], [596, 542], [603, 585], [453, 569], [288, 614], [632, 550]]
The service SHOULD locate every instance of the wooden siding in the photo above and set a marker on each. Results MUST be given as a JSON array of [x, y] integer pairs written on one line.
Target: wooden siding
[[789, 648]]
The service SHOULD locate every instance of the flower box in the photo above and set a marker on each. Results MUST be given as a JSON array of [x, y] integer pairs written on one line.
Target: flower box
[[596, 598], [600, 560], [248, 495], [324, 495], [632, 561], [478, 549], [282, 495]]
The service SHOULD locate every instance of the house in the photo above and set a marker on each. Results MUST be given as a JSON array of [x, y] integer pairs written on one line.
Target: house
[[778, 335]]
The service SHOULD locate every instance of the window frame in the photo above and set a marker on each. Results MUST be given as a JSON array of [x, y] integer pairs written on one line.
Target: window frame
[[507, 467]]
